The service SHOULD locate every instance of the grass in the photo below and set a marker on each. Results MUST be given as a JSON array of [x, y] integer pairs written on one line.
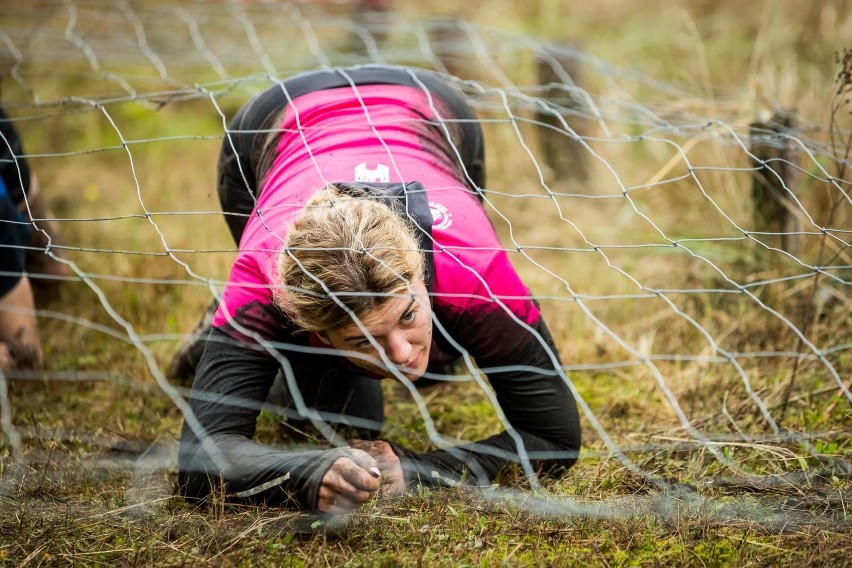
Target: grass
[[96, 484], [118, 514]]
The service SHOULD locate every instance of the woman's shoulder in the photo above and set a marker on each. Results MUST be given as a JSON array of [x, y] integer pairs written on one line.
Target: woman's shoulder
[[248, 291], [473, 273]]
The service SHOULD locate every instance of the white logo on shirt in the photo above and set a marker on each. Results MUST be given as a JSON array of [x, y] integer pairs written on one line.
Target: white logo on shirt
[[441, 216], [379, 175]]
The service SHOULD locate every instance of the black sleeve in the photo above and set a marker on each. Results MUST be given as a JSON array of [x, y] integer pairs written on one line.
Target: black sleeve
[[535, 399], [232, 382]]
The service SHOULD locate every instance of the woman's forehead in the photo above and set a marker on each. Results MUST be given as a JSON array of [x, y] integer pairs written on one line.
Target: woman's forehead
[[387, 315]]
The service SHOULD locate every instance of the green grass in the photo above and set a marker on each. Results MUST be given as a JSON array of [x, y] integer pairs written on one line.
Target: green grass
[[99, 436], [89, 521]]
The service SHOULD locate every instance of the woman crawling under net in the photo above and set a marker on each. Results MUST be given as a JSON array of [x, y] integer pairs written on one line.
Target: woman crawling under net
[[364, 253]]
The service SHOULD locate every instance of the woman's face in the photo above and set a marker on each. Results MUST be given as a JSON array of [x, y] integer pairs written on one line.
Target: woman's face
[[402, 327]]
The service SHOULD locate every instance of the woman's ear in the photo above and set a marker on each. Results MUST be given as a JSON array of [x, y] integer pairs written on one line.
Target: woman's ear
[[323, 337]]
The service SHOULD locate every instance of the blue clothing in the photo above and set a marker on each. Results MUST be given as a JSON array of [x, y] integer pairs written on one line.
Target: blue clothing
[[14, 236]]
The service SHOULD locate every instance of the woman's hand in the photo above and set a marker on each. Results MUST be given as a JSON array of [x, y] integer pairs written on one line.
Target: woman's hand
[[349, 483], [393, 480]]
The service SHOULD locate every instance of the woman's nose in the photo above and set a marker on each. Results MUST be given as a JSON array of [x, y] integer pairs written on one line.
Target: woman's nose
[[398, 349]]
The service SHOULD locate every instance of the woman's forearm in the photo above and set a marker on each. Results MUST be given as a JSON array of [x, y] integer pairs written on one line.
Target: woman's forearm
[[250, 472]]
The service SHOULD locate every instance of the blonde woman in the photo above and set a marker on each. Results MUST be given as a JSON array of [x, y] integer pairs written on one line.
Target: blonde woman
[[364, 253]]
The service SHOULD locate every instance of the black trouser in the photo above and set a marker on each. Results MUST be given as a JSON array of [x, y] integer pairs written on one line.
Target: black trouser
[[352, 403], [327, 384]]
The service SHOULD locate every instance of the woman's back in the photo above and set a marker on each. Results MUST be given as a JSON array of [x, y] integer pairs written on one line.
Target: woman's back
[[373, 133]]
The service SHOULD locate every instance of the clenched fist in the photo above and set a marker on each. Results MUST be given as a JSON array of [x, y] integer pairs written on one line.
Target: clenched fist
[[393, 480], [349, 483]]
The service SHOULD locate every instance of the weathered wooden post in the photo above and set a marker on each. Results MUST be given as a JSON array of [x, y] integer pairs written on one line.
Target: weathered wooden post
[[372, 19], [775, 179], [452, 46], [561, 150]]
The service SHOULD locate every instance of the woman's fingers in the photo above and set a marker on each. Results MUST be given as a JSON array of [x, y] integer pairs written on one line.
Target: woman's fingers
[[330, 501], [346, 485], [392, 476], [362, 445], [376, 449], [365, 461], [372, 447], [355, 470], [351, 481]]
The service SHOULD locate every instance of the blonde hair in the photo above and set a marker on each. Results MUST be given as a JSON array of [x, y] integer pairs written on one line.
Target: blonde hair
[[344, 242]]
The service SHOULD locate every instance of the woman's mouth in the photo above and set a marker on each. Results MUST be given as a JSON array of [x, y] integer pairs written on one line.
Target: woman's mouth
[[412, 365]]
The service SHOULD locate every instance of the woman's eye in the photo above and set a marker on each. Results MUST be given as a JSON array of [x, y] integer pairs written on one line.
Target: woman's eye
[[408, 317], [364, 344]]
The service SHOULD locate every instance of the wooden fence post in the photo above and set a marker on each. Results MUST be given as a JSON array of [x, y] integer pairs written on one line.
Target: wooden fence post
[[559, 74], [775, 157], [375, 18], [452, 46]]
